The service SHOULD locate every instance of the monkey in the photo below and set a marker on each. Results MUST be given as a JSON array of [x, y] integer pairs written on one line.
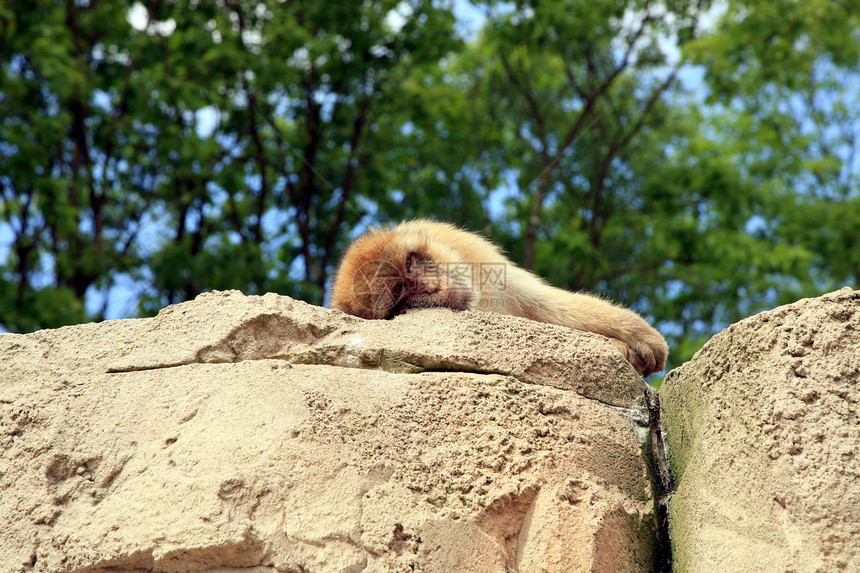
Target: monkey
[[425, 264]]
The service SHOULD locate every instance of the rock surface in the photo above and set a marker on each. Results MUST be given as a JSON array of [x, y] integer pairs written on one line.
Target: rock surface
[[763, 437], [262, 434]]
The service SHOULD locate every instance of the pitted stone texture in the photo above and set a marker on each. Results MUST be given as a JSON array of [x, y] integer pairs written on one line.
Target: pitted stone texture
[[763, 436], [230, 327], [262, 434]]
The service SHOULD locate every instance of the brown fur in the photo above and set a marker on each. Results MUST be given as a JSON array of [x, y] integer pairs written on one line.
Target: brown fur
[[423, 263]]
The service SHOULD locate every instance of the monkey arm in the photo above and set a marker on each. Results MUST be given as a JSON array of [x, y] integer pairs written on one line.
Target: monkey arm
[[529, 296]]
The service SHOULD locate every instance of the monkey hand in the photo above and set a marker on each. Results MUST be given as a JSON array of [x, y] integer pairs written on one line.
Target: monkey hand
[[646, 352]]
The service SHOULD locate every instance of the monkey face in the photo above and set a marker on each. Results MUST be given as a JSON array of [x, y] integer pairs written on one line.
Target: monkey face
[[429, 284]]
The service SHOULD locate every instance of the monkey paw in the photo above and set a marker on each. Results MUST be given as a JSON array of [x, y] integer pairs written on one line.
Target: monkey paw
[[647, 355]]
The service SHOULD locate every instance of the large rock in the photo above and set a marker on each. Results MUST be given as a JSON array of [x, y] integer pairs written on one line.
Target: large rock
[[263, 434], [763, 436]]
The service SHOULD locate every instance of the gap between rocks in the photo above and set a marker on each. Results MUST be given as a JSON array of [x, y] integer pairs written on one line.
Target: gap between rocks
[[665, 485]]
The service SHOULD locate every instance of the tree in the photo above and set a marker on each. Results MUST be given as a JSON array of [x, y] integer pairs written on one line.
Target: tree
[[793, 68], [300, 94], [572, 70], [247, 159], [72, 192]]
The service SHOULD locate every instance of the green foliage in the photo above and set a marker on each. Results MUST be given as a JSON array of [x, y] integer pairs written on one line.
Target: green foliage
[[198, 146]]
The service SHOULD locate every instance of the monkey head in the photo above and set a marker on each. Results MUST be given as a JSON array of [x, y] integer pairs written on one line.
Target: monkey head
[[383, 274]]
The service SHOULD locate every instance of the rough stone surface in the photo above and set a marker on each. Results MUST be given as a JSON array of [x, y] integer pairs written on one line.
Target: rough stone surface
[[763, 438], [262, 434]]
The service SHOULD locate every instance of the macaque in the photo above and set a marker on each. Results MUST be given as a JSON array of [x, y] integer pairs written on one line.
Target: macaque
[[425, 264]]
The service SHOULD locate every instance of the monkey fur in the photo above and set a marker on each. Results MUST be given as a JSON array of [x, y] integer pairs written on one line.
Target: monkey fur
[[422, 263]]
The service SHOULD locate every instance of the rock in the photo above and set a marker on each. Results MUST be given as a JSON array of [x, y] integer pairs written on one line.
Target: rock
[[262, 434], [763, 430]]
